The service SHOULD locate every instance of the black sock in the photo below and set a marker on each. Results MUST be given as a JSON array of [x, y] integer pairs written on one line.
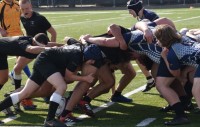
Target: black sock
[[185, 100], [65, 112], [52, 111], [87, 99], [17, 83], [178, 108], [6, 103], [117, 93], [188, 89], [149, 77], [1, 86]]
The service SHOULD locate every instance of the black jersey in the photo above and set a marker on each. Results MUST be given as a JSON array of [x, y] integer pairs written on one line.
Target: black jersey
[[35, 24], [16, 46], [69, 57]]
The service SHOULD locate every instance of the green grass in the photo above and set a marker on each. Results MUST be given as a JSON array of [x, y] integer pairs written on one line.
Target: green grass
[[145, 105]]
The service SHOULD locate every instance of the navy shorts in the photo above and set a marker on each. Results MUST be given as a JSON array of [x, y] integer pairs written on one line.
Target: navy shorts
[[197, 73], [163, 70]]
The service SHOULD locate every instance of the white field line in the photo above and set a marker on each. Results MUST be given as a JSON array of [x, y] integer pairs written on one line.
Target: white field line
[[106, 105], [145, 122], [6, 120], [62, 25]]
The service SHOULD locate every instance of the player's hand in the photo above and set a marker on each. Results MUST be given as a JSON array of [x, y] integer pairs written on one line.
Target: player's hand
[[3, 33], [89, 78], [164, 52], [148, 35]]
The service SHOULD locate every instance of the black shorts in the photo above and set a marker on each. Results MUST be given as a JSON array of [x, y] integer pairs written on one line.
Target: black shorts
[[3, 62], [163, 70], [42, 69]]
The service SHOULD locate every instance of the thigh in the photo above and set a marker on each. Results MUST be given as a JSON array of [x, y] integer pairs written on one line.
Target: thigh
[[22, 62], [105, 75], [28, 89]]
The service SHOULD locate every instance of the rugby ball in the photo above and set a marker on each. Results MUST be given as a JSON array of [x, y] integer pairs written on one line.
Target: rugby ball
[[61, 106]]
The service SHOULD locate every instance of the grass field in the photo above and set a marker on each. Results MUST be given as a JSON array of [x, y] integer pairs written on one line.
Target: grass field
[[145, 105]]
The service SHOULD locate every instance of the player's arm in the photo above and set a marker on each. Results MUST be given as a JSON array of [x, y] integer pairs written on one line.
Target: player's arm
[[171, 57], [102, 41], [35, 49], [71, 76], [53, 33], [52, 44], [115, 30]]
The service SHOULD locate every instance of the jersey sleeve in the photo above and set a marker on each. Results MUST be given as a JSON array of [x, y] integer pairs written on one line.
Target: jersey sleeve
[[46, 24], [174, 63]]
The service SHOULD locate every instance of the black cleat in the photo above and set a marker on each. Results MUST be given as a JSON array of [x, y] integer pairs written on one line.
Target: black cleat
[[85, 107], [178, 121], [168, 108], [149, 86], [54, 123]]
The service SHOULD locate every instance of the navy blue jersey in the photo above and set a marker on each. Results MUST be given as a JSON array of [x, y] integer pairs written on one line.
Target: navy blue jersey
[[16, 46], [136, 42], [183, 54], [150, 15]]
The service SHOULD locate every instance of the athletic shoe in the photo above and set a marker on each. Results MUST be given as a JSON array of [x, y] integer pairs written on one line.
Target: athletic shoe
[[85, 107], [178, 121], [1, 122], [197, 110], [189, 107], [46, 99], [10, 75], [167, 108], [121, 99], [28, 104], [17, 108], [8, 112], [149, 86], [69, 118], [54, 123]]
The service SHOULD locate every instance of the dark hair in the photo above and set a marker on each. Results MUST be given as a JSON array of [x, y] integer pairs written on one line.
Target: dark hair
[[41, 38], [135, 5], [167, 35]]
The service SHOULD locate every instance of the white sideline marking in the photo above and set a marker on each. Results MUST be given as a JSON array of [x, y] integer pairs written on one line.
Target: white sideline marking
[[106, 105], [9, 119], [145, 122]]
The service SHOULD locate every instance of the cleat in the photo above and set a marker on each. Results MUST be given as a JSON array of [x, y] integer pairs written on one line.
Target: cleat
[[10, 75], [189, 107], [149, 86], [8, 112], [178, 121], [197, 111], [85, 107], [69, 118], [1, 122], [54, 123], [46, 99], [168, 108], [121, 99], [17, 108], [28, 104]]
